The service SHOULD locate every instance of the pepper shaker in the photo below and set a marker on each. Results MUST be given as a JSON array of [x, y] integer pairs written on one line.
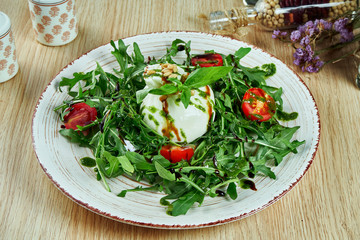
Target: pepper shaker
[[8, 62], [53, 21]]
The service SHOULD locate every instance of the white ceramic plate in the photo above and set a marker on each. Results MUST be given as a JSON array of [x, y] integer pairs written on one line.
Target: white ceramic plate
[[60, 159]]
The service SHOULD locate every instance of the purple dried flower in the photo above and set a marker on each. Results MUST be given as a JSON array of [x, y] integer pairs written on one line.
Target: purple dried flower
[[325, 24], [295, 36], [309, 53], [346, 35], [297, 61], [283, 34], [340, 24], [299, 52], [302, 28], [319, 64], [311, 69], [275, 34], [278, 34], [309, 24], [305, 41], [311, 31]]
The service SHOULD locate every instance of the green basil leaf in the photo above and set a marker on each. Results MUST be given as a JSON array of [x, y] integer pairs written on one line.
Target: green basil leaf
[[166, 89], [206, 76], [185, 96], [141, 94]]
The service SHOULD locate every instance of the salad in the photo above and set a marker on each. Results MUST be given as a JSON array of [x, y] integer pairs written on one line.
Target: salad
[[203, 127]]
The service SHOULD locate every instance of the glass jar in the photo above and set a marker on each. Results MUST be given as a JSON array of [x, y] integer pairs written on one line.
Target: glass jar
[[280, 14]]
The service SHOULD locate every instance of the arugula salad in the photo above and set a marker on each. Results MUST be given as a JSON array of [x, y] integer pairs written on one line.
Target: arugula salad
[[203, 127]]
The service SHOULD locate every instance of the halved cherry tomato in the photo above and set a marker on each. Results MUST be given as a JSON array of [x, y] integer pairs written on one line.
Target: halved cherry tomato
[[257, 105], [175, 154], [207, 60], [80, 114]]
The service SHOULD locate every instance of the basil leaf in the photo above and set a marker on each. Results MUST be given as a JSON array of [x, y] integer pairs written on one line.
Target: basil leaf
[[141, 94], [206, 76], [166, 89], [185, 96]]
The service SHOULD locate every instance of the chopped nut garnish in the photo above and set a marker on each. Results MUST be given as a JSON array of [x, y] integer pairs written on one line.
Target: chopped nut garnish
[[166, 74], [173, 76], [168, 70], [150, 72]]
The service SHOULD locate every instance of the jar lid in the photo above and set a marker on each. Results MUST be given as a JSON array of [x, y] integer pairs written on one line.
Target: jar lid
[[4, 23], [47, 2]]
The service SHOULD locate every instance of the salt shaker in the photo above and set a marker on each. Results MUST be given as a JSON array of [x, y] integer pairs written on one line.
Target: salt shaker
[[53, 21], [8, 62]]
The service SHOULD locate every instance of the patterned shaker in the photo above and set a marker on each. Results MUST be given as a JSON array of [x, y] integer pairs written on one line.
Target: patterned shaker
[[54, 21], [8, 63]]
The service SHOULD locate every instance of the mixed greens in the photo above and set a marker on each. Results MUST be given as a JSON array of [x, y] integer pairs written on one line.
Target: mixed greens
[[232, 152]]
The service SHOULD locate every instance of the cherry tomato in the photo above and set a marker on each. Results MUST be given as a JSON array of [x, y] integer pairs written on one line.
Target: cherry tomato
[[80, 114], [175, 154], [207, 60], [257, 105]]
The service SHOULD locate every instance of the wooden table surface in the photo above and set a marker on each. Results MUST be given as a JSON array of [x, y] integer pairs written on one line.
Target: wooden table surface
[[324, 205]]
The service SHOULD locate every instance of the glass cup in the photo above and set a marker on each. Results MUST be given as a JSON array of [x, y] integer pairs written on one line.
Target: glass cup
[[8, 62], [53, 21]]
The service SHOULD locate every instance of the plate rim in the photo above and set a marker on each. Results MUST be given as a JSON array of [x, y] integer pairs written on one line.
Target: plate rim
[[179, 226]]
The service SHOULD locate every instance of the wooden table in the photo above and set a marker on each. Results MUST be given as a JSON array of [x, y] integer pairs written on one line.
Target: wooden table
[[324, 205]]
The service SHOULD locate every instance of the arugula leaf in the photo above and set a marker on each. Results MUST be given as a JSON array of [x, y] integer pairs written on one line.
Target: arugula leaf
[[139, 161], [71, 82], [164, 173], [231, 191], [267, 171], [126, 164], [75, 137], [113, 169], [140, 188], [138, 57], [232, 150], [242, 52], [121, 55], [184, 203], [254, 74]]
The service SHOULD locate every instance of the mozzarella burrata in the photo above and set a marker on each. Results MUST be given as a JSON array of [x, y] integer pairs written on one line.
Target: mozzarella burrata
[[167, 114]]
